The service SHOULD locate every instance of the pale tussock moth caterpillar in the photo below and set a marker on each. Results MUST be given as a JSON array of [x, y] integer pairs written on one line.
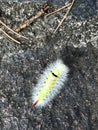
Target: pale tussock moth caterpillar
[[50, 83]]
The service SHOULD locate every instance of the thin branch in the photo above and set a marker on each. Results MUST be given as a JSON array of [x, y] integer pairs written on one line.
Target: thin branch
[[12, 30], [9, 36], [32, 19], [65, 16], [57, 10]]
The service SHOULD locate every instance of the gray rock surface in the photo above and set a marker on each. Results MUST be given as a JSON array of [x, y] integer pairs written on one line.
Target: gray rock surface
[[76, 42]]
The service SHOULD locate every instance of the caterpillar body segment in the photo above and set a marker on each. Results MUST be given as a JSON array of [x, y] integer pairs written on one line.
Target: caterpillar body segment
[[50, 83]]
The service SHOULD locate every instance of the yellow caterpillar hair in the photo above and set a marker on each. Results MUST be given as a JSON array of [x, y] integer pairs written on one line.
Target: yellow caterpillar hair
[[50, 83]]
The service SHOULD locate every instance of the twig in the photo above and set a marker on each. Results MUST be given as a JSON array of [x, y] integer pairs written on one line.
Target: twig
[[9, 36], [65, 16], [57, 10], [12, 30], [33, 19]]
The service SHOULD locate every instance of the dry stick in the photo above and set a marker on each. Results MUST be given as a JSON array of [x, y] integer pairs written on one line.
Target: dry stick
[[29, 21], [32, 20], [9, 36], [12, 30], [57, 10], [65, 16]]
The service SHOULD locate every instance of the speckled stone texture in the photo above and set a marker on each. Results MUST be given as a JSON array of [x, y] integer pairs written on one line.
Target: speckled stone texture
[[76, 42]]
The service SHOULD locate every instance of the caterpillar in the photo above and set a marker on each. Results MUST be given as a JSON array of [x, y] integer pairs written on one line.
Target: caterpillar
[[50, 83]]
